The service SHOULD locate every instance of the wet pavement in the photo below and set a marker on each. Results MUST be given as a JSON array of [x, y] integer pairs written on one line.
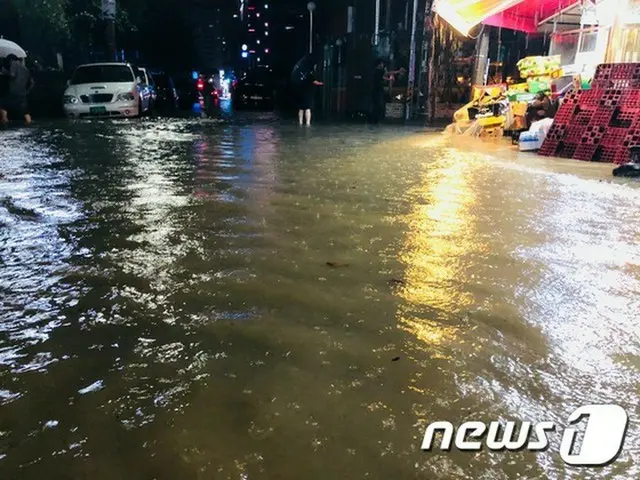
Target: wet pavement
[[246, 299]]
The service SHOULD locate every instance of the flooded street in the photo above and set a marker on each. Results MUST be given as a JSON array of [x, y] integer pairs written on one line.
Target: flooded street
[[229, 299]]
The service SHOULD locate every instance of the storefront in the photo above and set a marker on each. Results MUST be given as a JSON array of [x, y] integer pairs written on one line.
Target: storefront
[[584, 33], [581, 36]]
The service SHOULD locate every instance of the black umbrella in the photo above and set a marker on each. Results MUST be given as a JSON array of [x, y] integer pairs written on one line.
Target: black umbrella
[[303, 68]]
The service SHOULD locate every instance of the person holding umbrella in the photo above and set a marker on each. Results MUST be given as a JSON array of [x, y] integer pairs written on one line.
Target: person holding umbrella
[[20, 84], [304, 83], [305, 99]]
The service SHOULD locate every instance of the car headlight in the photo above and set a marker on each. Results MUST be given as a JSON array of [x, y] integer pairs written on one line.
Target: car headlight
[[127, 97], [69, 99]]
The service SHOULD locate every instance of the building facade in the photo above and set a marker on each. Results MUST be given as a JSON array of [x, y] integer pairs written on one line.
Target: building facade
[[215, 27], [255, 41]]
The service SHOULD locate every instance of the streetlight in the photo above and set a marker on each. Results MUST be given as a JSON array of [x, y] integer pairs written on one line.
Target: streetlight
[[311, 6], [339, 43]]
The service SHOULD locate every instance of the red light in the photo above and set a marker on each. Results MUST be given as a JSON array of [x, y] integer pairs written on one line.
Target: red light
[[200, 85]]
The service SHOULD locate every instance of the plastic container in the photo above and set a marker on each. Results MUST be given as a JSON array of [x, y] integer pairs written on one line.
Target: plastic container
[[529, 141]]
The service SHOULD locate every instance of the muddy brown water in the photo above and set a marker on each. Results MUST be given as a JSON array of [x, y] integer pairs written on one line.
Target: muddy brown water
[[203, 299]]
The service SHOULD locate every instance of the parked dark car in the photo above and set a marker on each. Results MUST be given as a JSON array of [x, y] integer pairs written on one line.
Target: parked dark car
[[187, 89], [167, 94], [254, 91]]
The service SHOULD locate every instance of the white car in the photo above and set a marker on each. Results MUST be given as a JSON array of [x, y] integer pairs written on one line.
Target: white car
[[148, 84], [105, 90]]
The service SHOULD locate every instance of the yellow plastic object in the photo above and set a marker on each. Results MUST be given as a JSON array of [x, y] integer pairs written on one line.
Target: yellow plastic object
[[478, 91], [493, 133], [519, 108], [536, 66], [557, 73], [488, 122], [462, 115], [518, 88]]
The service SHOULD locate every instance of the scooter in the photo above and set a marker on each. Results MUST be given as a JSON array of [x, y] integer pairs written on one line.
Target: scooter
[[631, 169], [627, 170]]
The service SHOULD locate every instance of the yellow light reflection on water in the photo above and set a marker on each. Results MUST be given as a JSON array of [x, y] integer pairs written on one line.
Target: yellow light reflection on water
[[439, 239]]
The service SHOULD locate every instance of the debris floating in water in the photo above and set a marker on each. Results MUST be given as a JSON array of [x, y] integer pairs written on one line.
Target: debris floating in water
[[14, 209], [51, 424], [94, 387], [395, 359], [337, 264], [396, 282]]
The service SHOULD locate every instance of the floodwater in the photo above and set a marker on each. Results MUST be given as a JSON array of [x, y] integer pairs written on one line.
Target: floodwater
[[246, 299]]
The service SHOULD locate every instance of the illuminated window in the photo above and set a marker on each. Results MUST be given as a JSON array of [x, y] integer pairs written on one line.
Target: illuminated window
[[266, 24], [258, 41], [266, 50], [266, 34], [266, 6], [258, 15]]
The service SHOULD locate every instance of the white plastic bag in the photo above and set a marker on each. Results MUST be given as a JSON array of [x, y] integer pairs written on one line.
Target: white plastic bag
[[541, 127]]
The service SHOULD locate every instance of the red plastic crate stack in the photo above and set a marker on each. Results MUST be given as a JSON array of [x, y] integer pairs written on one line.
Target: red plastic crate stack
[[614, 137], [599, 124], [631, 98]]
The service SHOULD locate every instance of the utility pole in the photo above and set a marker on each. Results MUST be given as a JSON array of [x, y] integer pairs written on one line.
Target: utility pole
[[311, 6], [425, 83], [109, 16], [412, 62], [376, 29], [482, 57]]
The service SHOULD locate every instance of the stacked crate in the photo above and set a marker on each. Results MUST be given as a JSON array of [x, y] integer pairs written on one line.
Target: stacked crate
[[600, 124]]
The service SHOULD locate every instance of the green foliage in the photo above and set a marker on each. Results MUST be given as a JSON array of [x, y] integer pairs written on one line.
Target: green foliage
[[76, 28], [42, 20]]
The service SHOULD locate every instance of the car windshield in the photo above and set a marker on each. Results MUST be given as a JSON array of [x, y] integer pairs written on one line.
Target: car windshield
[[162, 80], [102, 73]]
